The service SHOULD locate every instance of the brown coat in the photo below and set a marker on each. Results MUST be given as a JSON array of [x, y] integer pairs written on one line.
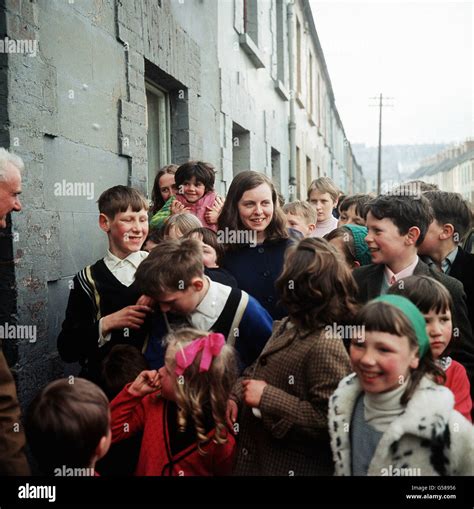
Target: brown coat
[[302, 370], [12, 441]]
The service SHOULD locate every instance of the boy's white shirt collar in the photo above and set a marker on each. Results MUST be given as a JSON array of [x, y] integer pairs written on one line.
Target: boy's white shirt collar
[[124, 270], [134, 258], [407, 271], [211, 306]]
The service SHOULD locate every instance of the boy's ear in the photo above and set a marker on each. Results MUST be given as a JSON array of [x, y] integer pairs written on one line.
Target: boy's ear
[[103, 446], [356, 264], [448, 231], [311, 227], [104, 223], [413, 235], [197, 283]]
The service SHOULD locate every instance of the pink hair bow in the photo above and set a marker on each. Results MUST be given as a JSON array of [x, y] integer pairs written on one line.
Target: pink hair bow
[[211, 346]]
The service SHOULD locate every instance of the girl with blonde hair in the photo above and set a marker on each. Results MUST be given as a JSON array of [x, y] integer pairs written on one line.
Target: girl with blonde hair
[[181, 407]]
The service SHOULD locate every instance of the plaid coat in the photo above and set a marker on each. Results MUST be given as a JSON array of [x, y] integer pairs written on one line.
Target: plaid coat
[[302, 370]]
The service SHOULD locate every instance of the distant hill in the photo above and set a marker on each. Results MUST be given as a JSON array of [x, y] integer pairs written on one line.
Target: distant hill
[[398, 161]]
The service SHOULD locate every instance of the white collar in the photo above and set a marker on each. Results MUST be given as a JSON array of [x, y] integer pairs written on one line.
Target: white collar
[[207, 306], [134, 258], [211, 306]]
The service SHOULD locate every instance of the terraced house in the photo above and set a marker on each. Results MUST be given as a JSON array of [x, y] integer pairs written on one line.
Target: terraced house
[[106, 92]]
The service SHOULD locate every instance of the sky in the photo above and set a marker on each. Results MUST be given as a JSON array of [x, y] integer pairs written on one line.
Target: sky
[[420, 54]]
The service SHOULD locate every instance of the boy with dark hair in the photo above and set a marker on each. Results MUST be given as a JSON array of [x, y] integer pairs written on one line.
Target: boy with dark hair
[[105, 307], [121, 366], [68, 427], [353, 209], [397, 225], [441, 248], [173, 275]]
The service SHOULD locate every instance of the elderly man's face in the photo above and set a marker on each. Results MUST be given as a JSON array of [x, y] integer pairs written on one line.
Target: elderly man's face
[[10, 188]]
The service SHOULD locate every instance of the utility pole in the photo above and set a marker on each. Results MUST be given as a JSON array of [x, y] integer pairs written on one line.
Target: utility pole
[[379, 160]]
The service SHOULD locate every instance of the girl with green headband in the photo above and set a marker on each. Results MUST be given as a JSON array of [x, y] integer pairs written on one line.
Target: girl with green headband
[[391, 417]]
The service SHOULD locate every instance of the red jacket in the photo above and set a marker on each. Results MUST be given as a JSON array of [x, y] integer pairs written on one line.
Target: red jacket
[[131, 414], [458, 382]]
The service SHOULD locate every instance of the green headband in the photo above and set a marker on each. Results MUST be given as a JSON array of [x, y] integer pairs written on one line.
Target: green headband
[[414, 315]]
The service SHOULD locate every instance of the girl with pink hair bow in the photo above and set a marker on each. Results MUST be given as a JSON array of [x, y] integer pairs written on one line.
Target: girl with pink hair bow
[[181, 407]]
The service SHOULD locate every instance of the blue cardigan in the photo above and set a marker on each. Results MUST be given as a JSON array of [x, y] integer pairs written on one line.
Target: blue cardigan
[[256, 269], [254, 330]]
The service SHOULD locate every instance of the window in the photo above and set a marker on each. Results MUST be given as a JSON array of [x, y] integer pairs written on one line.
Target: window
[[158, 131], [280, 40], [310, 84], [251, 19], [299, 183], [240, 149], [309, 172], [298, 56], [318, 99], [276, 175]]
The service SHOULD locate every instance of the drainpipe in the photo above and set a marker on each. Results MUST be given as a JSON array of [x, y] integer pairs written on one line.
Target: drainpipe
[[290, 16]]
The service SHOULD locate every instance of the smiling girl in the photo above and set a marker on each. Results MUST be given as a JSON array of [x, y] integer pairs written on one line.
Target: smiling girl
[[163, 196], [253, 228], [195, 192], [390, 417]]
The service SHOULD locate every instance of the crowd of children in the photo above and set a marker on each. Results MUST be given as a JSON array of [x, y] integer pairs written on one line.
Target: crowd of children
[[244, 336]]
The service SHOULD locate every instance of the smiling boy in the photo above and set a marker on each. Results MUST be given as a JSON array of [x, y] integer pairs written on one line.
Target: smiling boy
[[397, 226], [104, 308]]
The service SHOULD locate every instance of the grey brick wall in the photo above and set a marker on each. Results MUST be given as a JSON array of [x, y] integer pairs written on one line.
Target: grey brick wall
[[76, 112]]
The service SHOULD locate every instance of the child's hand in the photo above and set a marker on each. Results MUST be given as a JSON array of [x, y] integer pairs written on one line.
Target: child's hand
[[146, 300], [145, 383], [253, 390], [212, 213], [231, 413], [178, 208], [131, 317]]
